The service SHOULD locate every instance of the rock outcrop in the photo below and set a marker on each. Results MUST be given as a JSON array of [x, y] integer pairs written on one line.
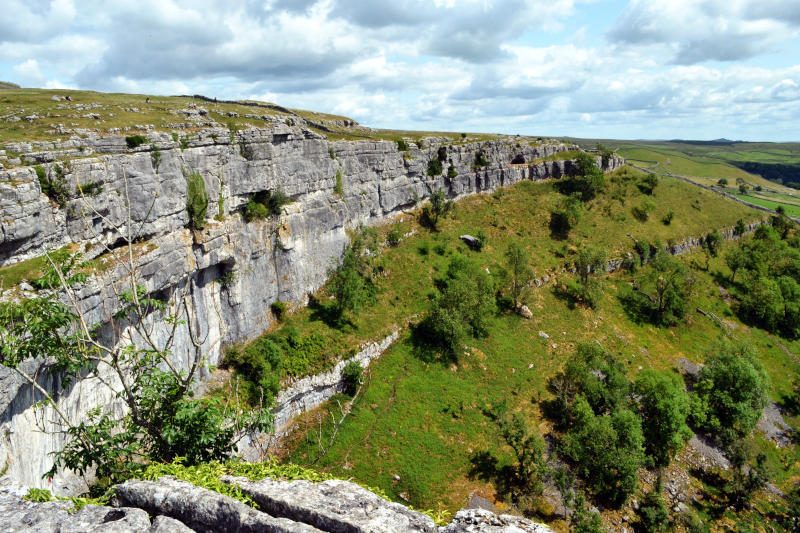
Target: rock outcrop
[[298, 507], [333, 187]]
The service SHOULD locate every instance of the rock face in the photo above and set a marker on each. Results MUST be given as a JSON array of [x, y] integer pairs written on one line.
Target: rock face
[[333, 506], [279, 258]]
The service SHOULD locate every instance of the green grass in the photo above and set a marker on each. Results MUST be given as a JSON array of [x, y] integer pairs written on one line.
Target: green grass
[[792, 209], [520, 214], [426, 423]]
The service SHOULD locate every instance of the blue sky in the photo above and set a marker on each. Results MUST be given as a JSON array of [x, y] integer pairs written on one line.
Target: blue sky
[[657, 69]]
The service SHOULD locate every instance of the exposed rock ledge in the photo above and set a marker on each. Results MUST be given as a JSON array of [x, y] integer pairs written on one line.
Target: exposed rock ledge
[[297, 506]]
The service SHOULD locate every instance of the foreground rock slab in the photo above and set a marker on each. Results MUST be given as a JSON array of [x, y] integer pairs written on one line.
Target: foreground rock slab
[[201, 509], [334, 505]]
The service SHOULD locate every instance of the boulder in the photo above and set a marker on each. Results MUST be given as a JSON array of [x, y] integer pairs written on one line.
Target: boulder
[[472, 242], [483, 521], [333, 505]]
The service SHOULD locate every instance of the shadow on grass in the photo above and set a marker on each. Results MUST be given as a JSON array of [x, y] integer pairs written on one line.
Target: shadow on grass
[[486, 467], [328, 314], [716, 501], [426, 348]]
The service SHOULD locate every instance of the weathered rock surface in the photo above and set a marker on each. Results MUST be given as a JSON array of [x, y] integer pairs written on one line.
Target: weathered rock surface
[[201, 509], [333, 506], [279, 258], [483, 521]]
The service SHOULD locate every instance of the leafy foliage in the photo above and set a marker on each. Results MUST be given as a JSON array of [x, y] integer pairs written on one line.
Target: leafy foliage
[[265, 203], [730, 393], [660, 293], [353, 377], [589, 262], [586, 179], [438, 207], [566, 216], [196, 200], [663, 406], [653, 513], [161, 419], [517, 273], [351, 282], [53, 183], [770, 281], [434, 167], [648, 183], [462, 308], [134, 141]]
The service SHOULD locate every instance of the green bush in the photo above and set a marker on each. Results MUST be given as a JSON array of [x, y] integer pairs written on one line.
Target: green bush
[[402, 146], [463, 306], [434, 167], [196, 200], [660, 294], [393, 237], [265, 203], [653, 513], [668, 217], [730, 393], [53, 186], [648, 183], [722, 182], [480, 160], [278, 309], [134, 141], [438, 207], [663, 406], [338, 188], [482, 239], [352, 377], [644, 209], [155, 156], [451, 172]]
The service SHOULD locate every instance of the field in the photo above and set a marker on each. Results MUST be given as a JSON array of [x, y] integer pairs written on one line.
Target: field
[[423, 431]]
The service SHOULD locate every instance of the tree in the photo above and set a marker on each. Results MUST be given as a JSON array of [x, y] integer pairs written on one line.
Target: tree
[[197, 200], [350, 282], [731, 391], [663, 406], [589, 262], [653, 513], [648, 183], [711, 246], [587, 180], [606, 449], [528, 450], [438, 207], [463, 306], [722, 182], [518, 271], [566, 215], [659, 295], [151, 414]]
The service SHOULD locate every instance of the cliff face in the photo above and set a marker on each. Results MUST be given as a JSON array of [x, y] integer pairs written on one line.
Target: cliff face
[[279, 258]]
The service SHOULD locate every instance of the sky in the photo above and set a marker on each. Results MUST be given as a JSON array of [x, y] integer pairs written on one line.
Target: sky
[[638, 69]]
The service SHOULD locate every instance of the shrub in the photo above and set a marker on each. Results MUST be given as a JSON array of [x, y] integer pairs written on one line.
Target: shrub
[[643, 210], [730, 393], [586, 179], [54, 187], [740, 227], [462, 308], [722, 182], [90, 189], [566, 216], [278, 309], [434, 167], [648, 183], [352, 377], [265, 203], [402, 146], [438, 207], [227, 278], [451, 172], [134, 141], [653, 513], [155, 156], [743, 189], [668, 218], [480, 160], [393, 237], [518, 272], [196, 200], [331, 153], [338, 188], [663, 406], [482, 239], [660, 294]]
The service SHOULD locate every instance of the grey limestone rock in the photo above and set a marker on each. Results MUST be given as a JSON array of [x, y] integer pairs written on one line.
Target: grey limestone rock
[[334, 505], [483, 521], [201, 509]]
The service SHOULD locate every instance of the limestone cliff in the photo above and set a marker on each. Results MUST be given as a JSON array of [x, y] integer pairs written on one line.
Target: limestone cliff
[[279, 258]]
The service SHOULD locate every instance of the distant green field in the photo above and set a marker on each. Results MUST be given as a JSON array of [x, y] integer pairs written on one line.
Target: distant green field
[[792, 209], [765, 164]]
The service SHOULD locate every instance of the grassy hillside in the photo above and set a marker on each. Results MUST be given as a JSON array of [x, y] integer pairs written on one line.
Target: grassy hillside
[[423, 431]]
